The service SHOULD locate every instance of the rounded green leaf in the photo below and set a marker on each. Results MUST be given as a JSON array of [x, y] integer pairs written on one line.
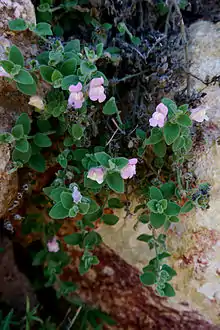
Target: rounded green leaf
[[21, 156], [27, 89], [43, 29], [155, 137], [178, 143], [168, 189], [91, 240], [25, 121], [144, 238], [42, 140], [184, 120], [24, 77], [172, 209], [173, 219], [155, 193], [169, 290], [102, 158], [110, 219], [93, 207], [77, 131], [157, 220], [115, 182], [160, 149], [17, 25], [115, 203], [37, 162], [87, 68], [73, 45], [18, 131], [16, 56], [58, 211], [68, 67], [152, 205], [187, 207], [68, 81], [46, 73], [110, 107], [171, 132], [148, 278], [66, 200], [22, 145]]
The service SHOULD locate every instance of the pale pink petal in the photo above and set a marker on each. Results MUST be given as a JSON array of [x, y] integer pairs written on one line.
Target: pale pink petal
[[153, 122], [102, 98], [161, 108], [75, 88], [96, 82], [132, 161]]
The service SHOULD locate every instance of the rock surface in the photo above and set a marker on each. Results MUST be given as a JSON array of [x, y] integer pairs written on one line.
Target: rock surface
[[195, 241], [12, 102]]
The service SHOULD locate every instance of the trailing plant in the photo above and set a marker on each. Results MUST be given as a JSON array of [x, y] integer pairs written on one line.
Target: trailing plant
[[64, 130]]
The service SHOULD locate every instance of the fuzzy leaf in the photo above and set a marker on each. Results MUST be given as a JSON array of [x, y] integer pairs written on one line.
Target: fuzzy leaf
[[58, 211]]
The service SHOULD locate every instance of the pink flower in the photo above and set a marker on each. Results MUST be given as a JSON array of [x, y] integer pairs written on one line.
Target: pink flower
[[199, 114], [130, 169], [77, 197], [159, 116], [96, 90], [76, 98], [96, 174], [53, 245]]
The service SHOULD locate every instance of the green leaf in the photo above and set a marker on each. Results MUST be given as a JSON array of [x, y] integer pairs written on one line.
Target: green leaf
[[66, 200], [27, 89], [187, 207], [120, 162], [22, 145], [37, 162], [178, 144], [148, 278], [21, 156], [169, 270], [184, 107], [43, 29], [93, 207], [172, 209], [56, 75], [184, 120], [163, 255], [140, 134], [7, 65], [18, 131], [110, 219], [168, 189], [155, 137], [42, 140], [155, 193], [172, 107], [44, 125], [152, 205], [55, 194], [115, 182], [157, 220], [115, 203], [25, 121], [171, 132], [73, 239], [99, 49], [68, 67], [46, 73], [77, 131], [144, 218], [160, 149], [83, 207], [169, 290], [16, 56], [69, 80], [110, 107], [73, 45], [188, 144], [91, 240], [24, 77], [102, 158], [39, 258], [145, 238], [73, 211], [17, 25], [87, 68], [58, 212], [173, 219]]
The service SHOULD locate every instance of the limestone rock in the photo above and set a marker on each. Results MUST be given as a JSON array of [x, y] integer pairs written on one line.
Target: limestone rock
[[12, 9]]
